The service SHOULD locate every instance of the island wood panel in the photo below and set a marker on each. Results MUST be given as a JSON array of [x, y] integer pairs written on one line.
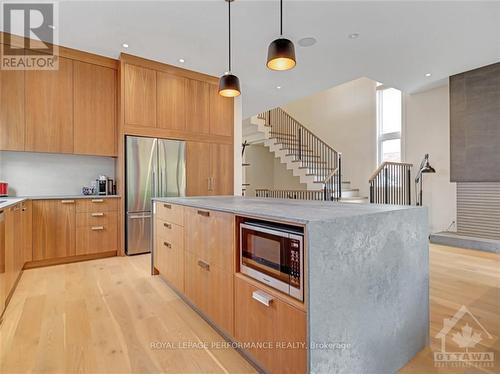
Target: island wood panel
[[220, 291], [221, 113], [170, 232], [171, 101], [12, 124], [27, 224], [54, 231], [94, 109], [140, 96], [195, 281], [49, 109], [221, 164], [171, 213], [197, 168], [14, 255], [170, 261], [198, 113]]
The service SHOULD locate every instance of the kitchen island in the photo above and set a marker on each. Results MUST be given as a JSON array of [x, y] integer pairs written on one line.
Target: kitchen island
[[366, 282]]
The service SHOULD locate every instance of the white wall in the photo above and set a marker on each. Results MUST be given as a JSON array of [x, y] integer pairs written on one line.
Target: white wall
[[345, 118], [266, 171], [32, 174], [427, 130]]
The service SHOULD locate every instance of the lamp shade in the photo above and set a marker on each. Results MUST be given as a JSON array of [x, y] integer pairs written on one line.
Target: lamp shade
[[229, 85], [281, 54]]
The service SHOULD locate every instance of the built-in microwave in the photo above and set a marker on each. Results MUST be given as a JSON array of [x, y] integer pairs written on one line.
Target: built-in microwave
[[274, 255]]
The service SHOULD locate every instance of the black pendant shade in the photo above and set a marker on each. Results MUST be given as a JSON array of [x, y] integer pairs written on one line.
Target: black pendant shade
[[281, 54], [229, 85]]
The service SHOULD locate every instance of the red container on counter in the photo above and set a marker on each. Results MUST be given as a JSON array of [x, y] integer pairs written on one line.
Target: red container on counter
[[4, 186]]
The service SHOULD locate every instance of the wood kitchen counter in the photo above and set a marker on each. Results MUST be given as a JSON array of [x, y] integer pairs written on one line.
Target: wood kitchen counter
[[366, 279]]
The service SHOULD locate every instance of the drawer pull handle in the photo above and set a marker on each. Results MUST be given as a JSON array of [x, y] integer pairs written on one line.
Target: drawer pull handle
[[262, 297], [168, 206], [97, 228], [167, 244], [68, 201], [204, 213], [97, 214], [97, 200], [204, 265], [167, 225]]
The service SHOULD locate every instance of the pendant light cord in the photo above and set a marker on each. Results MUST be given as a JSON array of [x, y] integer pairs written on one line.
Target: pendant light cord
[[229, 9], [281, 17]]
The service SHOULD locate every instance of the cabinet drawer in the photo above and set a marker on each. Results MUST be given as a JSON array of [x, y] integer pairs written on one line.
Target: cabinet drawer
[[96, 239], [211, 290], [170, 212], [169, 260], [97, 204], [211, 237], [96, 218], [261, 317], [170, 232]]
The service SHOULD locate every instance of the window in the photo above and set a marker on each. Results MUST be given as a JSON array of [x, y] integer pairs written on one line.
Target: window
[[389, 123]]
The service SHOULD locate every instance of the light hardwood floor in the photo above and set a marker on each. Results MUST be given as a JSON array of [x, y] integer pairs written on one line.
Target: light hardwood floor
[[102, 316]]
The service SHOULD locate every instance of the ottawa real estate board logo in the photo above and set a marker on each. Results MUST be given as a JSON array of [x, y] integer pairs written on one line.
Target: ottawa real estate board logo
[[460, 336], [29, 38]]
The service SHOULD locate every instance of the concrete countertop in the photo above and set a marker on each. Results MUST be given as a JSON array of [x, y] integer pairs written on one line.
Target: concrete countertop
[[297, 211]]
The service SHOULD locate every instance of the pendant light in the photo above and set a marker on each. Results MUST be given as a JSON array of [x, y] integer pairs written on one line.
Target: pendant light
[[229, 84], [281, 52]]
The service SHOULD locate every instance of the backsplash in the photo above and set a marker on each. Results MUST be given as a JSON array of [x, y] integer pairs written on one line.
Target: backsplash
[[32, 174]]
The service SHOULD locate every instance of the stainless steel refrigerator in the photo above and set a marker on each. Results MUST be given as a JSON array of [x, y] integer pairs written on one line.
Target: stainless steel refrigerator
[[154, 168]]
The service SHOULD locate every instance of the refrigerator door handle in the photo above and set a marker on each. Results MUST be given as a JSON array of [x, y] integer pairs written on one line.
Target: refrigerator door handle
[[161, 184], [140, 217], [153, 185]]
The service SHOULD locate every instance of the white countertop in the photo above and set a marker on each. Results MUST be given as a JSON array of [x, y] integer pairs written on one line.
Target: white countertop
[[6, 202]]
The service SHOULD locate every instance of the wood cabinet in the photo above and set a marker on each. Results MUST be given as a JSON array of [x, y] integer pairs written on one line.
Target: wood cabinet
[[54, 231], [221, 113], [198, 113], [140, 96], [277, 323], [172, 100], [96, 226], [27, 228], [12, 124], [209, 264], [209, 169], [94, 109], [13, 255], [49, 109]]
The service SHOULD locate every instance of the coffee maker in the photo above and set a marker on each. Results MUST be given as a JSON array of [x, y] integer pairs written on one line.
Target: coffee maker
[[105, 186]]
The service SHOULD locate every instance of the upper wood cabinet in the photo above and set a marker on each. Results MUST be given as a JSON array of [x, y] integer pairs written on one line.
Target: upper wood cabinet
[[12, 127], [49, 109], [221, 113], [94, 109], [198, 107], [171, 98], [221, 164], [140, 96], [198, 171], [54, 229], [209, 169]]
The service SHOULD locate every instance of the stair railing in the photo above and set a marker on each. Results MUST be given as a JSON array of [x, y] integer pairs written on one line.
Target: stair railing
[[289, 194], [391, 184], [321, 161]]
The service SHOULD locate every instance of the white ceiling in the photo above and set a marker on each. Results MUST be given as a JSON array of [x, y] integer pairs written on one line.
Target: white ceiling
[[400, 41]]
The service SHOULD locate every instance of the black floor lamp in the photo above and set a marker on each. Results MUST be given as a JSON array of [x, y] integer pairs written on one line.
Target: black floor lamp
[[425, 167]]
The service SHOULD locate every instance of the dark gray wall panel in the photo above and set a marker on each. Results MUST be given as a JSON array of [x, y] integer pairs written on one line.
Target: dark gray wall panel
[[475, 125]]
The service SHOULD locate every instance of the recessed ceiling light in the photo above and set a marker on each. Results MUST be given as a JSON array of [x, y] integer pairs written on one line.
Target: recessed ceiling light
[[307, 42], [125, 45], [354, 35], [428, 74], [278, 87], [52, 27], [181, 60]]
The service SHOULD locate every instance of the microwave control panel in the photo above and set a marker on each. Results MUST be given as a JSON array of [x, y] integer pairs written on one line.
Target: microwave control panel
[[295, 263]]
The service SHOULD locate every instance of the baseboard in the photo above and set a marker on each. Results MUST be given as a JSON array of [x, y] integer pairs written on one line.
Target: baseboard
[[68, 260]]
